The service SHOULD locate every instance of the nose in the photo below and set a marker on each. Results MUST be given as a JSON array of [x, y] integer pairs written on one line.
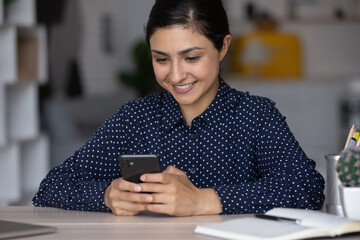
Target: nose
[[177, 73]]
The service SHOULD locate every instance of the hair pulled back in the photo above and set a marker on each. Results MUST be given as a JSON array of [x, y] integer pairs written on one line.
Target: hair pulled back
[[208, 17]]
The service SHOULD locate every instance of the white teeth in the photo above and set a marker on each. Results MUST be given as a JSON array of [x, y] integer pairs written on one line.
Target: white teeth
[[184, 86]]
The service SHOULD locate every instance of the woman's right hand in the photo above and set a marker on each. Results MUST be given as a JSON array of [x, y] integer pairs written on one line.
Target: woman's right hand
[[125, 198]]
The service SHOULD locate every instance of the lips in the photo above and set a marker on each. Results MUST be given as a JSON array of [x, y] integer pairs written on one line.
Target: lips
[[184, 88]]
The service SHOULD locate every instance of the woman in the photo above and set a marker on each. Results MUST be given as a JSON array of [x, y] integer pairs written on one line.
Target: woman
[[223, 151]]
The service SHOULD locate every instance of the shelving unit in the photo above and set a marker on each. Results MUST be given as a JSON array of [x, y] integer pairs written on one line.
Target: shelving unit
[[1, 12], [2, 116], [8, 56], [23, 55], [34, 158], [22, 114], [21, 12], [24, 150], [10, 173]]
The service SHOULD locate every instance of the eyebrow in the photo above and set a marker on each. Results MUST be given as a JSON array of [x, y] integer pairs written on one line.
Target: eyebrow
[[179, 53]]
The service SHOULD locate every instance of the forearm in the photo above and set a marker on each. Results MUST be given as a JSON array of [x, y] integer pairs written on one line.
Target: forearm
[[64, 193], [281, 189]]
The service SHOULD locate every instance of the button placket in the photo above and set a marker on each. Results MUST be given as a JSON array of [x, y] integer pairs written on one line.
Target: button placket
[[194, 142]]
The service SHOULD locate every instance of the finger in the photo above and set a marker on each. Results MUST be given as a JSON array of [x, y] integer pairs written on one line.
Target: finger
[[155, 178], [162, 198], [124, 185], [129, 206], [161, 208], [154, 187], [122, 212], [174, 170], [131, 197]]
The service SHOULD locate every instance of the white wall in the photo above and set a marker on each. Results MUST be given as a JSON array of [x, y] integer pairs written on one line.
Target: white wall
[[307, 9], [340, 55], [330, 47], [128, 18]]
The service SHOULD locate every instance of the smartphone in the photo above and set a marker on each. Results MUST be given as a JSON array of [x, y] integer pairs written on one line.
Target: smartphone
[[133, 166]]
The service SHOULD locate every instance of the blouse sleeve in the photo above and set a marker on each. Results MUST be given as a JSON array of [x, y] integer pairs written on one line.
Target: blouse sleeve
[[80, 181], [287, 176]]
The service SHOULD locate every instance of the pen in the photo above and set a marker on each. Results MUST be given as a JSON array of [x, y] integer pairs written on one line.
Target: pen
[[357, 134], [351, 133], [353, 141], [275, 218]]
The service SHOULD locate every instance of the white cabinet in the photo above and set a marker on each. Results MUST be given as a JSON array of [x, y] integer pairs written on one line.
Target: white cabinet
[[24, 150], [10, 173], [22, 111], [34, 159], [1, 12], [21, 12], [2, 116], [8, 65], [23, 54]]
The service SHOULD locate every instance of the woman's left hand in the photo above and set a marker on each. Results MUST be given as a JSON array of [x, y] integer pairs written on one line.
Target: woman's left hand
[[174, 194]]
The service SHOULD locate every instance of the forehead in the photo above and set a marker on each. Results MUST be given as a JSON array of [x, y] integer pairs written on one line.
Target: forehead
[[177, 38]]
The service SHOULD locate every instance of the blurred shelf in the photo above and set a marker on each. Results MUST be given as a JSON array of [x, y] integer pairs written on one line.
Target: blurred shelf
[[22, 111], [327, 49], [24, 54], [34, 162], [8, 62], [21, 12], [1, 12], [10, 174], [3, 133], [24, 151]]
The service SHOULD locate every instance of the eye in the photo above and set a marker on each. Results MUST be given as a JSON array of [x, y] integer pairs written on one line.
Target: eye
[[161, 60], [192, 59]]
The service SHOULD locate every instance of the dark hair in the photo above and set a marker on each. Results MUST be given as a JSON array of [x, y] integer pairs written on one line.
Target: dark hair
[[208, 17]]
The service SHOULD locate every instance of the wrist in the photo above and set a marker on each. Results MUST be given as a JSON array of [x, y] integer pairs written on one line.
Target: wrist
[[106, 195], [209, 203]]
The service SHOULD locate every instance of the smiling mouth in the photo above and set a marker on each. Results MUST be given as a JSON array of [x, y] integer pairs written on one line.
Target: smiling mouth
[[184, 87]]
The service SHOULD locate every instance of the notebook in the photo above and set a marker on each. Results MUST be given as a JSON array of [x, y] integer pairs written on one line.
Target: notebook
[[16, 229], [282, 224]]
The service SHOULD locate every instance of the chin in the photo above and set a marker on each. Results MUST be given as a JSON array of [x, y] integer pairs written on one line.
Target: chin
[[184, 101]]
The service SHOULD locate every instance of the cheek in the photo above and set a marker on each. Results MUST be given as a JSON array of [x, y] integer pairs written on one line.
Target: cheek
[[207, 69], [160, 72]]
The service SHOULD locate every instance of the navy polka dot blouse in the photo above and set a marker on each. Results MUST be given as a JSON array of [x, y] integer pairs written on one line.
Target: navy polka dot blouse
[[240, 146]]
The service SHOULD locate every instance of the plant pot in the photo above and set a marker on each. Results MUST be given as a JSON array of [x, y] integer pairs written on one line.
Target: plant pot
[[350, 201]]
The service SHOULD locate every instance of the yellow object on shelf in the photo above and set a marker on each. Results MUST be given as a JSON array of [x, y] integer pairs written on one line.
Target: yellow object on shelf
[[267, 54]]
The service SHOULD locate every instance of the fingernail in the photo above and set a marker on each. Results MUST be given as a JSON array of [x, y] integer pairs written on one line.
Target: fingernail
[[137, 188], [142, 178], [149, 198]]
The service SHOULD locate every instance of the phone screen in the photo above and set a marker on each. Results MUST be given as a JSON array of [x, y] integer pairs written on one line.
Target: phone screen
[[133, 166]]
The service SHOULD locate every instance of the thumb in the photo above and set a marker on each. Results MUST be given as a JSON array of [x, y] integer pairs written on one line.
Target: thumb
[[173, 170]]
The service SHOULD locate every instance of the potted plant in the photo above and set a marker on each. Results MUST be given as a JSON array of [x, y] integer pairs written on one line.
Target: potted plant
[[142, 77], [348, 169]]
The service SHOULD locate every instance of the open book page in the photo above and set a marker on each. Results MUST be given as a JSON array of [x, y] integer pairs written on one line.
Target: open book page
[[334, 224], [256, 229]]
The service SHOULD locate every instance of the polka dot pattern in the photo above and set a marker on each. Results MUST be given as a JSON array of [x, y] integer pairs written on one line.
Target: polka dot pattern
[[240, 146]]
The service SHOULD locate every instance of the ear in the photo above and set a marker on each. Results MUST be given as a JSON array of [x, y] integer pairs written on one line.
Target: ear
[[225, 46]]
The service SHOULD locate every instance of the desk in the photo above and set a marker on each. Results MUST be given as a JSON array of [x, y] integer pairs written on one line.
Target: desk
[[96, 225]]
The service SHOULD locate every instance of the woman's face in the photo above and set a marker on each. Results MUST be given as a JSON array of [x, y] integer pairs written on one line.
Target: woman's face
[[187, 65]]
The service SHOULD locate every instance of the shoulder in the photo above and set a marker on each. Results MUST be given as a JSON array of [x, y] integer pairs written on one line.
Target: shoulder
[[245, 101], [148, 105]]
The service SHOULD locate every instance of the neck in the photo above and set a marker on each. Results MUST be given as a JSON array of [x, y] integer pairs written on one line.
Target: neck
[[194, 110]]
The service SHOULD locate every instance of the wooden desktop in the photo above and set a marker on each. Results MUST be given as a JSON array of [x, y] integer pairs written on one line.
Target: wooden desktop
[[97, 225]]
